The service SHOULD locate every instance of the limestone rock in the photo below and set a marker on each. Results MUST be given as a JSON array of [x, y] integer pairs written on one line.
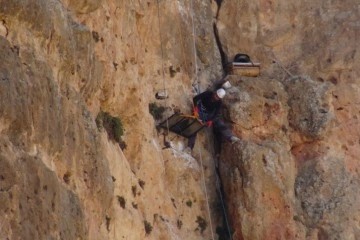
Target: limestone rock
[[319, 126], [83, 6], [259, 189], [3, 29], [293, 175], [326, 192], [309, 104]]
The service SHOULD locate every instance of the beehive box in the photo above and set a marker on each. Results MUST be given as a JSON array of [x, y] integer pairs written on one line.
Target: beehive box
[[244, 69]]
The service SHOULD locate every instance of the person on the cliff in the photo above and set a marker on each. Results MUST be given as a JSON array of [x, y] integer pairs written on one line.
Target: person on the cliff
[[207, 107]]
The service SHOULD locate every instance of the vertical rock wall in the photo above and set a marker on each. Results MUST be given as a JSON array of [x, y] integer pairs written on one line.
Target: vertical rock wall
[[64, 62], [294, 175]]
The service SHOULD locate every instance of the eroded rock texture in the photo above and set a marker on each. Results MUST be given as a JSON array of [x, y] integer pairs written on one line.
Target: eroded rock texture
[[313, 142], [293, 175]]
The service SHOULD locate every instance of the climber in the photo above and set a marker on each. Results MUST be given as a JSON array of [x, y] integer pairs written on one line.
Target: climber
[[207, 107]]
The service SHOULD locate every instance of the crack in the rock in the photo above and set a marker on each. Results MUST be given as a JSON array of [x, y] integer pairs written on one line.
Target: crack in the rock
[[217, 39]]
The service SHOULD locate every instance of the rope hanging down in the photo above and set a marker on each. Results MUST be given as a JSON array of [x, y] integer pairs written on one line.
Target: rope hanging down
[[166, 143], [196, 86], [218, 185], [206, 195], [196, 83]]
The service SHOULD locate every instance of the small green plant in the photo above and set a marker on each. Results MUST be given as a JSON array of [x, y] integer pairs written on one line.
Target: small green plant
[[202, 224], [113, 127], [156, 111], [189, 203], [148, 227], [121, 201]]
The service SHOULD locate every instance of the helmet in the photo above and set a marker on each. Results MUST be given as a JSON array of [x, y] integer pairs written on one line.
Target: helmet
[[220, 93]]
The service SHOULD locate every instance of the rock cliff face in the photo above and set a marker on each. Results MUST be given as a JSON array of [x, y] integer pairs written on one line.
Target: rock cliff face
[[293, 175]]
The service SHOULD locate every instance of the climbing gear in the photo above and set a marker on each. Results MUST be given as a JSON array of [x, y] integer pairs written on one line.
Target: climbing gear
[[200, 113], [196, 112], [220, 93], [186, 125], [243, 66]]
